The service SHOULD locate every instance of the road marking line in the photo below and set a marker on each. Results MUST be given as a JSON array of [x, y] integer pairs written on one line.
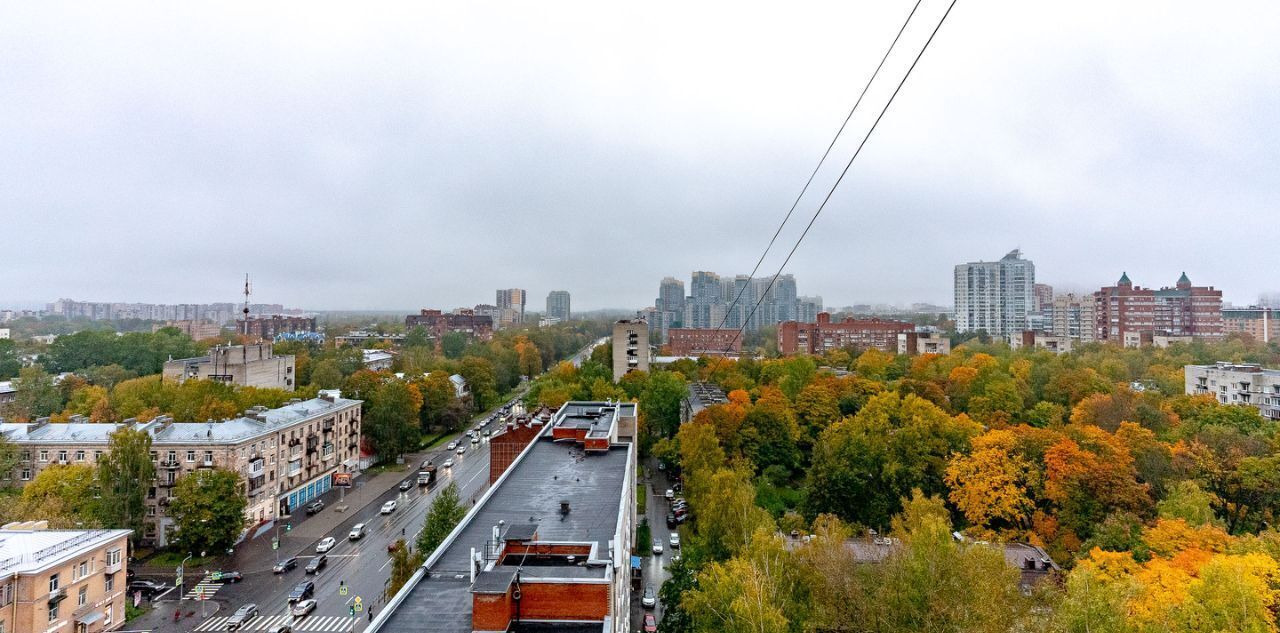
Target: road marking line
[[209, 625]]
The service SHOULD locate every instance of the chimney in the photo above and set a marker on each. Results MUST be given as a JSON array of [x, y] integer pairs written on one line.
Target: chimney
[[564, 507]]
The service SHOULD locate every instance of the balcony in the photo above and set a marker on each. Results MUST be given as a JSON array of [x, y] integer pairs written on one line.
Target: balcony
[[57, 595], [206, 463], [112, 568], [170, 464], [328, 425]]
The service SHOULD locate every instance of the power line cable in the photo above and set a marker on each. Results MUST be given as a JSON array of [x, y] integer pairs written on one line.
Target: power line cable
[[844, 172], [822, 160]]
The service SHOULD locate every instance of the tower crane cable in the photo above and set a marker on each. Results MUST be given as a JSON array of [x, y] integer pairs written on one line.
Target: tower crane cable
[[821, 161], [847, 166]]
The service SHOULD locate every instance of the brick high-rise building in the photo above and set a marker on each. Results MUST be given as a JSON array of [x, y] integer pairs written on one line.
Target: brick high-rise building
[[1128, 314], [511, 306], [464, 321], [1258, 322], [703, 341], [266, 327], [815, 338]]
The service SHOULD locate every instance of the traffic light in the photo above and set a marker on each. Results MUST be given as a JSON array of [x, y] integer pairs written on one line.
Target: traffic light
[[353, 612], [288, 527]]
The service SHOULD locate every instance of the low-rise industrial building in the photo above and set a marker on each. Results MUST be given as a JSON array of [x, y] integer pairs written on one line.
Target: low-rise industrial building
[[286, 456], [245, 365], [62, 581], [547, 547], [923, 342]]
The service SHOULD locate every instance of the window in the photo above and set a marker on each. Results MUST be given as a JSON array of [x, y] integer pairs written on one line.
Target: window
[[84, 568], [97, 455], [106, 618], [53, 611], [53, 583], [26, 456], [44, 456], [6, 595], [26, 474], [109, 583], [155, 455], [173, 457], [62, 456], [191, 456], [79, 456], [83, 596], [208, 457]]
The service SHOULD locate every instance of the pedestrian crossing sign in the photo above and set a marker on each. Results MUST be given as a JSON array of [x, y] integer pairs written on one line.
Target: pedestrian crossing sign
[[342, 591], [359, 604]]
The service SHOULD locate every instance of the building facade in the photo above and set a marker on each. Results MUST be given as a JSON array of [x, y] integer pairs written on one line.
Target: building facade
[[1040, 340], [463, 321], [286, 456], [1073, 316], [62, 581], [197, 330], [815, 338], [1258, 322], [923, 341], [703, 342], [630, 347], [1129, 314], [558, 305], [511, 302], [266, 327], [1237, 383], [998, 297], [244, 365]]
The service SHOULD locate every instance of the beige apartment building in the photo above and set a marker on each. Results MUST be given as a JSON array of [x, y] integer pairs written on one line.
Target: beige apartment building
[[630, 347], [245, 365], [62, 581], [286, 457]]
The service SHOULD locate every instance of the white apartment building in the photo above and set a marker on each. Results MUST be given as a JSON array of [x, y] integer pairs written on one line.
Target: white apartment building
[[1233, 383], [998, 297]]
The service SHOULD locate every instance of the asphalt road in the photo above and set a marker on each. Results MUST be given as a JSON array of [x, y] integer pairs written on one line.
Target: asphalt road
[[653, 568], [362, 567]]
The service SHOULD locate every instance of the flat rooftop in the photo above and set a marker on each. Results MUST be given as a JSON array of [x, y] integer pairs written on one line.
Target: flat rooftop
[[528, 497]]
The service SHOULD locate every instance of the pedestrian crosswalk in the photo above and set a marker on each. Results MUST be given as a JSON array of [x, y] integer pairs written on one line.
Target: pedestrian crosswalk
[[331, 624], [203, 589]]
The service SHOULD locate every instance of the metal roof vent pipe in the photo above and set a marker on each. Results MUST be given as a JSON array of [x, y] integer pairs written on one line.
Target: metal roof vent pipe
[[564, 508]]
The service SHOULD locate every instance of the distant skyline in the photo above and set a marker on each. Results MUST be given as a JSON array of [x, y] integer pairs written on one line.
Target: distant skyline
[[399, 156]]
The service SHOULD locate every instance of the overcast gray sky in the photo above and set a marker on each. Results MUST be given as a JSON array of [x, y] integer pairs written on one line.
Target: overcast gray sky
[[362, 155]]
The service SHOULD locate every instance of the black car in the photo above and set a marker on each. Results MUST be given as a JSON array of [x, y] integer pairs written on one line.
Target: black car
[[315, 507], [405, 485], [228, 576], [147, 587], [672, 521], [284, 565], [317, 564], [302, 591]]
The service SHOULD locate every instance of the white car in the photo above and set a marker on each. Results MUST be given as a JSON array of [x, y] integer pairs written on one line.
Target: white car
[[657, 546], [462, 449], [451, 446], [675, 540], [357, 531], [389, 507], [325, 544], [448, 463]]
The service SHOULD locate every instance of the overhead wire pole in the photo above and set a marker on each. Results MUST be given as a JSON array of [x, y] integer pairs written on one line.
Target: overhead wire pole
[[843, 173], [821, 161]]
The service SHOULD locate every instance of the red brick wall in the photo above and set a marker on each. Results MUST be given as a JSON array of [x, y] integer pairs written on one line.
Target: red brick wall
[[695, 341], [541, 601], [491, 612], [506, 447]]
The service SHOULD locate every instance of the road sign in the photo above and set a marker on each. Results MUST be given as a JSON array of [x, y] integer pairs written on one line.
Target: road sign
[[359, 606], [216, 576], [342, 591], [275, 544], [178, 581]]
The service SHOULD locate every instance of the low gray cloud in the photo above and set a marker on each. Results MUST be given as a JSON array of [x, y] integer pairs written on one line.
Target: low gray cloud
[[403, 155]]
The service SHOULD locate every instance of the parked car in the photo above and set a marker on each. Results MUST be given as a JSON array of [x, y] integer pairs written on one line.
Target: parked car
[[650, 599], [302, 591], [650, 623], [227, 576], [317, 564], [284, 565], [405, 485], [357, 532], [672, 521], [325, 544], [674, 540], [303, 608], [671, 494], [314, 507], [448, 463], [242, 616], [282, 628], [147, 587], [657, 546], [389, 507]]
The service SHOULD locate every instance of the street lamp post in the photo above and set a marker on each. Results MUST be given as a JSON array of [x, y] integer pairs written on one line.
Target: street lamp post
[[182, 579]]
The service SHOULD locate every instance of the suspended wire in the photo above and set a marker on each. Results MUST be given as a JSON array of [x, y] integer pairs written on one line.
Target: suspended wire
[[822, 160], [844, 172]]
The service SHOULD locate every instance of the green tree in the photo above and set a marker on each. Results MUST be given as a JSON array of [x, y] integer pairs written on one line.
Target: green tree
[[35, 395], [1188, 502], [325, 374], [404, 562], [479, 374], [125, 473], [453, 344], [660, 402], [65, 496], [418, 337], [10, 362], [391, 420], [445, 514], [10, 457], [208, 510]]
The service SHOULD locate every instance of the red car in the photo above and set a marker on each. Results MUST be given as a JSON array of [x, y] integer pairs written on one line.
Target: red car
[[650, 624]]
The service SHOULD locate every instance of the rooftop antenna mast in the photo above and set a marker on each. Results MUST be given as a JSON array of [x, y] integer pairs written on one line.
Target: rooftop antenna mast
[[246, 304]]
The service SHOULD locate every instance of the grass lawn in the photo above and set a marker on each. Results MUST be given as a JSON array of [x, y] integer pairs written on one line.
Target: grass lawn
[[641, 499], [173, 559], [386, 467]]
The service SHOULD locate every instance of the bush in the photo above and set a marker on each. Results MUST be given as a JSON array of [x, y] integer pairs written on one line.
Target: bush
[[644, 536]]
